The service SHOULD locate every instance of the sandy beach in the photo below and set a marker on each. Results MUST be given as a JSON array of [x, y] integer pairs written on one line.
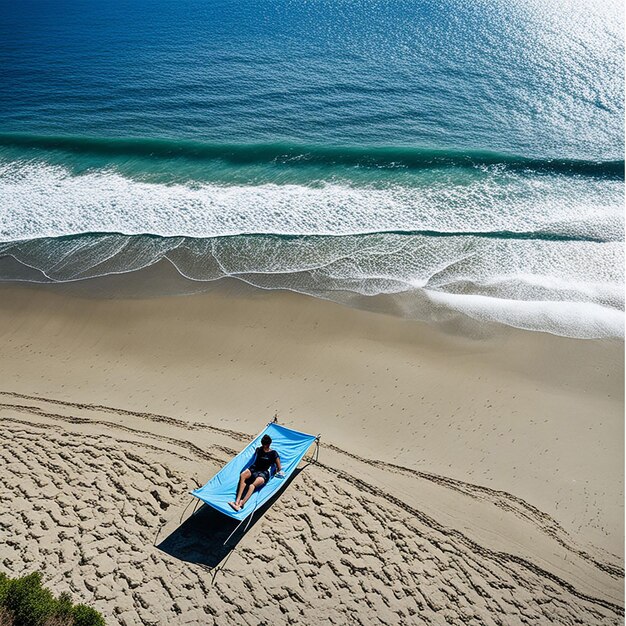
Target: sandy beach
[[460, 481], [396, 228]]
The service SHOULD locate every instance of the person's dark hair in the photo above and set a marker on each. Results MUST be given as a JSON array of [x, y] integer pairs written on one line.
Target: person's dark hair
[[266, 440]]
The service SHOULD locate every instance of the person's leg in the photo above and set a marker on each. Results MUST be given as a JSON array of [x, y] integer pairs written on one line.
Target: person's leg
[[242, 483], [255, 485]]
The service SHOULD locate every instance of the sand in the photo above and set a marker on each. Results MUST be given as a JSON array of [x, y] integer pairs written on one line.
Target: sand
[[460, 481]]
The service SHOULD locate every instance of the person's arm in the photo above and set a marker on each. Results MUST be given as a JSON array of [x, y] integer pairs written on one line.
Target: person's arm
[[279, 469]]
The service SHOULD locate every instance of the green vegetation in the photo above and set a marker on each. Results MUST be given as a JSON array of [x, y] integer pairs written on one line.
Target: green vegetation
[[24, 602]]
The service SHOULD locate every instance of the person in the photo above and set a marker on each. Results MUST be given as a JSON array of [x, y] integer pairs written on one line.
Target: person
[[258, 473]]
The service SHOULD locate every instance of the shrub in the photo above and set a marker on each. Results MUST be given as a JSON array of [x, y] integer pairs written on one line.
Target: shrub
[[24, 602], [86, 616], [6, 619], [4, 585], [29, 602]]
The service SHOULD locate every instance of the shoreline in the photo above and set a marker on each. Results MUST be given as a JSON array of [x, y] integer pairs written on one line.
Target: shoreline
[[474, 279], [489, 436]]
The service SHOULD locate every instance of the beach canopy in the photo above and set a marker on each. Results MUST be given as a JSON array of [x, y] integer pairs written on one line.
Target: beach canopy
[[291, 446]]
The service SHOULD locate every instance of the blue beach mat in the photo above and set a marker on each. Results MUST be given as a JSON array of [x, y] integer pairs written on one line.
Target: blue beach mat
[[291, 446]]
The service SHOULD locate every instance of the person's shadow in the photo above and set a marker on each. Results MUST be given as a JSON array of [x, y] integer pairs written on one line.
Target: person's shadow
[[200, 538]]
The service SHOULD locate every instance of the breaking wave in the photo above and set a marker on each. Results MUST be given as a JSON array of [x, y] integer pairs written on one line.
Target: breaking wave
[[536, 244]]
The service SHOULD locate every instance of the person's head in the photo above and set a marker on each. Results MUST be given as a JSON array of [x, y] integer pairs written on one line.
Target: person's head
[[266, 441]]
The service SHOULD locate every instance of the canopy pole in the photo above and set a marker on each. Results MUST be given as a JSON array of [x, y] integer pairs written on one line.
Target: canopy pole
[[234, 531], [180, 521], [251, 516]]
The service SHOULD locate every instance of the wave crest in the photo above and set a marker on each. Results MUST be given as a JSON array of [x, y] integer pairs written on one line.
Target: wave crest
[[301, 155]]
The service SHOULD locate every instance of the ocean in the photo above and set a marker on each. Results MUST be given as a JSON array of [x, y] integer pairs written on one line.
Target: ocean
[[464, 158]]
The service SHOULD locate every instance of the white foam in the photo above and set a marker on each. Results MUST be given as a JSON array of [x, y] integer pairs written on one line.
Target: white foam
[[38, 200], [570, 287], [586, 320]]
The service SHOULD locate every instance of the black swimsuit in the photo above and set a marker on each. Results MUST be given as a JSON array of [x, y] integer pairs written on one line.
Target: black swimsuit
[[262, 463]]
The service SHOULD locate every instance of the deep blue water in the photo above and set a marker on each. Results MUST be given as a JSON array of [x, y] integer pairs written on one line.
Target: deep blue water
[[532, 78], [472, 151]]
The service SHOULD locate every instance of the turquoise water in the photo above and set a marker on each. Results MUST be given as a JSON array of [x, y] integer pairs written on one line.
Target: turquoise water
[[469, 154]]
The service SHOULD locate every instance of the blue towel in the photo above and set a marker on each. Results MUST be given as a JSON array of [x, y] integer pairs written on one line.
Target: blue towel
[[291, 446]]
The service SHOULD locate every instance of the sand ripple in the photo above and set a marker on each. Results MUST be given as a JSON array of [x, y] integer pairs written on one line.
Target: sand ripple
[[95, 503]]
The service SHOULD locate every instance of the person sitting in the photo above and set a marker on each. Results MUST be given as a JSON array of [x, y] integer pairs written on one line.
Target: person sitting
[[258, 473]]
